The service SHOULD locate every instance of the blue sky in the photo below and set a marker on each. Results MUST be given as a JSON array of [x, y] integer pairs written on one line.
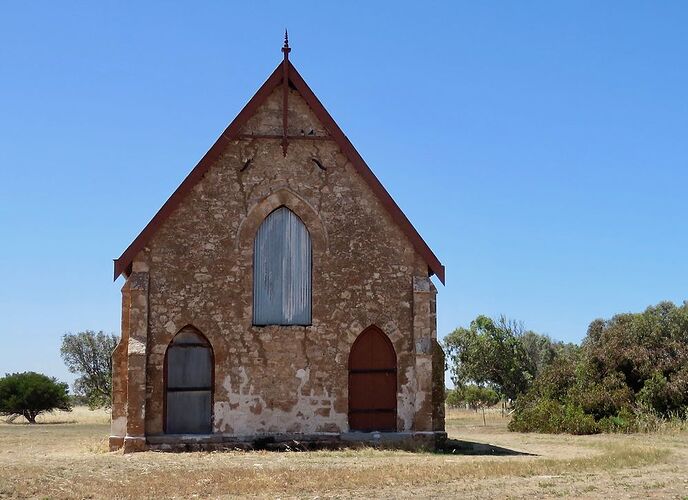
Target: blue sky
[[539, 147]]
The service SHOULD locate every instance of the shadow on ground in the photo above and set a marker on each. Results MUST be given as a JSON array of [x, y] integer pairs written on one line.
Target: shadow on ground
[[448, 447], [458, 447]]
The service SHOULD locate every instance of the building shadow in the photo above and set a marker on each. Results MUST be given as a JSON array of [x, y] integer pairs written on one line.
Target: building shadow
[[459, 447]]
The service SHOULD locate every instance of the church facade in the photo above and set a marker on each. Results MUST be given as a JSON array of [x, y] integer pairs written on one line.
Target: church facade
[[279, 294]]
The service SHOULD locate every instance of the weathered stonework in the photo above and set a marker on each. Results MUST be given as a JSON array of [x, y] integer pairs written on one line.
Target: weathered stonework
[[197, 270]]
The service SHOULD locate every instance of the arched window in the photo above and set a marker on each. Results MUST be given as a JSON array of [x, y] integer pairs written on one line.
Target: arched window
[[282, 271], [188, 384]]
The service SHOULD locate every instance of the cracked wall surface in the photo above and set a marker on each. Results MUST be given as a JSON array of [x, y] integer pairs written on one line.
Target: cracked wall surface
[[286, 378]]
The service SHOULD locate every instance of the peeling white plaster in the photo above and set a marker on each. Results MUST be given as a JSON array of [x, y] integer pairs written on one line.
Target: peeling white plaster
[[136, 346], [246, 413], [139, 266], [407, 400], [118, 426]]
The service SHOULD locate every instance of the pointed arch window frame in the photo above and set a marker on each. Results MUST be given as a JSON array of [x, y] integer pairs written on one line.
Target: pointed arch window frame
[[282, 270]]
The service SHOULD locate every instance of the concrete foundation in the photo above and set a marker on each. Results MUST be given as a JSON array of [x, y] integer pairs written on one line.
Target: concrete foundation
[[414, 441]]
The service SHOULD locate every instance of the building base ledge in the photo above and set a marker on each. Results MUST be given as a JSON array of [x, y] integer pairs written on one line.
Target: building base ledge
[[135, 443], [116, 442], [420, 440]]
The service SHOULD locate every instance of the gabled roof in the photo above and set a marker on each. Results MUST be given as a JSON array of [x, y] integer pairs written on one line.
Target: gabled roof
[[288, 71]]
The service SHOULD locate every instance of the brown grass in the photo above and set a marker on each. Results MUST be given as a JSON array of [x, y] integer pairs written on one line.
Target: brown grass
[[71, 461]]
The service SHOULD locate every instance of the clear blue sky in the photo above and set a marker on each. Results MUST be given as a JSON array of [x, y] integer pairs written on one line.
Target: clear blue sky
[[541, 148]]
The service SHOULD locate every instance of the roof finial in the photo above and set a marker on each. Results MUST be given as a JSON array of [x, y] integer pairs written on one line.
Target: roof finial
[[286, 48]]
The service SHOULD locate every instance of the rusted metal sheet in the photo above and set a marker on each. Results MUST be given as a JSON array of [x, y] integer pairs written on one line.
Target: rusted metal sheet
[[372, 383], [282, 271], [188, 384]]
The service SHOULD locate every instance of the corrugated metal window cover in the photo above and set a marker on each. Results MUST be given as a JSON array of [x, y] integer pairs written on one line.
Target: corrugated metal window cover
[[282, 263]]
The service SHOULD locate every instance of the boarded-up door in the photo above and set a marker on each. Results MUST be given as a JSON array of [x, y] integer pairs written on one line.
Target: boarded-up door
[[372, 383], [189, 384]]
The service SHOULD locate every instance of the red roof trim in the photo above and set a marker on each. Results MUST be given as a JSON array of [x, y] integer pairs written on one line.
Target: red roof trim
[[198, 172], [275, 79], [364, 171]]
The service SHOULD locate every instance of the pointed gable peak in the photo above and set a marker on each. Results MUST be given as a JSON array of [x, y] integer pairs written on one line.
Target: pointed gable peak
[[285, 72]]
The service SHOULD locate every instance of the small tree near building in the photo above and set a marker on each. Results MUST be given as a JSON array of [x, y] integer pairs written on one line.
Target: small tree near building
[[474, 396], [454, 397], [489, 352], [89, 354], [29, 394], [479, 398]]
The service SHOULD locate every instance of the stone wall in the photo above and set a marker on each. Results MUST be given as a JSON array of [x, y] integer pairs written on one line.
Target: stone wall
[[365, 271]]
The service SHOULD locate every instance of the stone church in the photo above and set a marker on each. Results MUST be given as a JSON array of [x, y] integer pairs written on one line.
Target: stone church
[[279, 294]]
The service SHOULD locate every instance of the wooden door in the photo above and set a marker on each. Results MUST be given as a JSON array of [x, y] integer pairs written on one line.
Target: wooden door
[[188, 384], [372, 383]]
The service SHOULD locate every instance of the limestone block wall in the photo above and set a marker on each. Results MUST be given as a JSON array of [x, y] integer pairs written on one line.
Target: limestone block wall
[[118, 427], [199, 272]]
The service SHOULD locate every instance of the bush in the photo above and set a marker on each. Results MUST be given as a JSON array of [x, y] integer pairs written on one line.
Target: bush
[[625, 421], [661, 395], [546, 415], [600, 398], [552, 417], [576, 421], [29, 394], [631, 375]]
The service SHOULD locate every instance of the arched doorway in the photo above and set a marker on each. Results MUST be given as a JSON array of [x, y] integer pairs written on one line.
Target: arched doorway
[[189, 369], [372, 382]]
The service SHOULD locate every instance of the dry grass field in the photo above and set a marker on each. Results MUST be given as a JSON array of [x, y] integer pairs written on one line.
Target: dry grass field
[[67, 457]]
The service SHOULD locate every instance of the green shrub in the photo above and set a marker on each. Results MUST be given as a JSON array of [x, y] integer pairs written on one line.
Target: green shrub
[[576, 421], [545, 415], [29, 394], [663, 396], [631, 375], [552, 417], [625, 421], [601, 398]]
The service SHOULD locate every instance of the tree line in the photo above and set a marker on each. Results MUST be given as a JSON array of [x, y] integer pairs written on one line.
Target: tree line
[[630, 372]]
